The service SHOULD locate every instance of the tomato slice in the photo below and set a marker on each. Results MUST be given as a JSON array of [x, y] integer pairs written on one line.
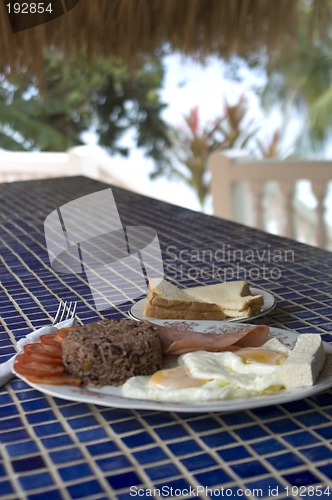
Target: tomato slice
[[42, 349], [50, 339], [39, 369], [63, 332], [39, 357], [62, 379]]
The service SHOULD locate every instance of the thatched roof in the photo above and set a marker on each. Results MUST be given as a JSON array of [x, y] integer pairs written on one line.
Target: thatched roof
[[128, 27]]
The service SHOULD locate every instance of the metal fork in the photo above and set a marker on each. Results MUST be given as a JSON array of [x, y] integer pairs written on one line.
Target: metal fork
[[66, 310]]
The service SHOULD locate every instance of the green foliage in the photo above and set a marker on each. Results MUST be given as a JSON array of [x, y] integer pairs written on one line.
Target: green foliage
[[81, 94], [300, 79]]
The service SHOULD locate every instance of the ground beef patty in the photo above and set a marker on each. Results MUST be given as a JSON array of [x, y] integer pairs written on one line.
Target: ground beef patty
[[110, 351]]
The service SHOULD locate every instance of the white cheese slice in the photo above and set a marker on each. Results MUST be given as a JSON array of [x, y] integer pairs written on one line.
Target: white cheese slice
[[304, 363]]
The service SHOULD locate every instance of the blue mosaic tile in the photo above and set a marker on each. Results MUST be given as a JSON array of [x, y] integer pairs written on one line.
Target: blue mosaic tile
[[51, 495], [3, 472], [150, 455], [66, 455], [113, 463], [174, 431], [8, 411], [5, 399], [249, 469], [27, 464], [41, 416], [102, 448], [17, 385], [13, 436], [296, 406], [322, 399], [48, 429], [218, 439], [73, 410], [78, 423], [234, 453], [200, 461], [57, 441], [266, 446], [326, 432], [184, 447], [91, 435], [285, 461], [159, 419], [140, 439], [213, 477], [265, 488], [116, 414], [312, 418], [6, 487], [35, 404], [84, 489], [126, 426], [282, 426], [268, 412], [316, 453], [238, 418], [206, 424], [300, 439], [23, 448], [77, 471], [39, 480], [302, 478], [10, 423], [327, 470], [162, 471], [124, 480], [251, 432]]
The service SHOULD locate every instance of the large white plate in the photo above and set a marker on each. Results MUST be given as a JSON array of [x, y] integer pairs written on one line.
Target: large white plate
[[111, 396], [137, 309]]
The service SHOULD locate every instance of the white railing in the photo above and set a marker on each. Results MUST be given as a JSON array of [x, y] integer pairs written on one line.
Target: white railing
[[264, 194], [90, 161]]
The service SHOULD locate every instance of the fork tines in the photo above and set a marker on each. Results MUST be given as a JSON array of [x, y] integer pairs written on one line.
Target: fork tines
[[66, 310]]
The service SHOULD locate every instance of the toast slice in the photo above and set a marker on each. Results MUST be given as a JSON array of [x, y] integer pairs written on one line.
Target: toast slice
[[190, 314], [219, 301], [165, 298], [170, 296], [231, 296]]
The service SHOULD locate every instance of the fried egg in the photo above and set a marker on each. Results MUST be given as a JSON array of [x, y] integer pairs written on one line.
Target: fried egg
[[203, 375]]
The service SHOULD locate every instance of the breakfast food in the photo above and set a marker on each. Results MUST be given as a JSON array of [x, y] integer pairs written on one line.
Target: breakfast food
[[204, 376], [207, 302], [176, 342], [204, 366], [108, 352], [304, 362]]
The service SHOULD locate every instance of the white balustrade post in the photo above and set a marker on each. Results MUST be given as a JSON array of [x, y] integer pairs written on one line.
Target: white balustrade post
[[85, 160], [221, 186], [287, 189], [257, 193], [319, 189]]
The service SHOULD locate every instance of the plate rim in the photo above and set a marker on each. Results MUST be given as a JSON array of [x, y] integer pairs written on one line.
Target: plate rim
[[254, 290]]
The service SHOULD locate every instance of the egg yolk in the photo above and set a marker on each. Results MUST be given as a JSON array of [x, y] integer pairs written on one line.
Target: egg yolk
[[261, 355], [174, 378]]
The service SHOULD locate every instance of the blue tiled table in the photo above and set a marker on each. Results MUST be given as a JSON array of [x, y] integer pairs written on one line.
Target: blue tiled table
[[56, 449]]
